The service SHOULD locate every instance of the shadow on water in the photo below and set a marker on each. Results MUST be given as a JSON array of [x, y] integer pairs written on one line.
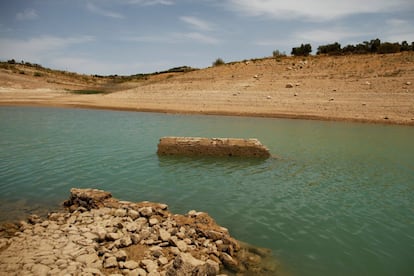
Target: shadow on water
[[209, 161]]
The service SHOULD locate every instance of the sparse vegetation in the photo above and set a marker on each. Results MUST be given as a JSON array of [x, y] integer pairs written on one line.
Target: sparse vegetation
[[374, 46], [278, 54], [218, 62], [88, 92], [37, 74]]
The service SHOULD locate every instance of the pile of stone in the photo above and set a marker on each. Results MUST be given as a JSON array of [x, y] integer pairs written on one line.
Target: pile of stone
[[201, 146], [100, 235]]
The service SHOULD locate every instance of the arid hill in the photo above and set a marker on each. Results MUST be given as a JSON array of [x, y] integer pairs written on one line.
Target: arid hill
[[366, 88]]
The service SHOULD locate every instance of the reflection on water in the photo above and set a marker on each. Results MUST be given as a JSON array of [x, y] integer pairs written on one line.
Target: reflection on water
[[338, 201]]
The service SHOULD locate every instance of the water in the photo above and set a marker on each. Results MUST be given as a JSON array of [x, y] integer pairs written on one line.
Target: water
[[339, 200]]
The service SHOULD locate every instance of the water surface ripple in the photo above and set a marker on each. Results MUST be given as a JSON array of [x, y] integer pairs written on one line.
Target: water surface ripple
[[338, 200]]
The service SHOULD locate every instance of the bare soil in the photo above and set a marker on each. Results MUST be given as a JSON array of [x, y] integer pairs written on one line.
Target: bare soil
[[364, 88]]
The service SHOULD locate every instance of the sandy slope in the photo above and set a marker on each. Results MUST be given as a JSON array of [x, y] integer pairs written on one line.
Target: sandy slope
[[368, 88]]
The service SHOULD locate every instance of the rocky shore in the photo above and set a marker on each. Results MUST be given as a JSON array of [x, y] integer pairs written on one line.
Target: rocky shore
[[99, 235]]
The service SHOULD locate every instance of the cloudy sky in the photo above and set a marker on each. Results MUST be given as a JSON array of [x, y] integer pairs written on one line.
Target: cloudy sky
[[141, 36]]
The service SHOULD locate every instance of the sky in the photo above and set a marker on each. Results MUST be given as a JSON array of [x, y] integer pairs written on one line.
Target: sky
[[126, 37]]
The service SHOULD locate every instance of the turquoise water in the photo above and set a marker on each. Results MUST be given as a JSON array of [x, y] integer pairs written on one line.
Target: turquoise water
[[338, 200]]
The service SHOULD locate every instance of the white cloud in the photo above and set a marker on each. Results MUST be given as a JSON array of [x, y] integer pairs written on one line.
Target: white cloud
[[196, 23], [175, 38], [4, 29], [151, 2], [327, 35], [316, 10], [397, 30], [28, 14], [202, 38], [88, 65], [98, 10], [35, 49]]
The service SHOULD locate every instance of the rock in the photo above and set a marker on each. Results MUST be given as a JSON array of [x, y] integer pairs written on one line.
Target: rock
[[213, 267], [408, 83], [229, 262], [40, 270], [181, 245], [153, 221], [149, 265], [137, 272], [164, 235], [125, 241], [93, 271], [289, 85], [133, 214], [88, 259], [186, 264], [110, 262], [120, 213], [269, 97], [224, 147], [87, 198], [83, 242], [131, 265], [33, 219], [162, 260], [146, 211], [112, 236], [3, 243], [120, 256]]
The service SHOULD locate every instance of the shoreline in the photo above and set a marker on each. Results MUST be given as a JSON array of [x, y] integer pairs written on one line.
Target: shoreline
[[362, 88], [97, 234], [208, 113]]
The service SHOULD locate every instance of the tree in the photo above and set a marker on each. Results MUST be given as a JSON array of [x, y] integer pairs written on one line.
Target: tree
[[405, 46], [349, 49], [330, 49], [374, 45], [303, 50], [388, 48]]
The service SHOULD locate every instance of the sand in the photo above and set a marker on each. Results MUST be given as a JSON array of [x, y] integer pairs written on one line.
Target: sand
[[363, 88]]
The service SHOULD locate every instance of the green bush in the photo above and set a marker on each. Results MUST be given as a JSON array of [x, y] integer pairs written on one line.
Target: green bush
[[218, 62], [37, 74], [303, 50], [330, 49]]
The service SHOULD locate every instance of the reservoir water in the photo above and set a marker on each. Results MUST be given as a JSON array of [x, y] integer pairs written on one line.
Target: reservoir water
[[337, 199]]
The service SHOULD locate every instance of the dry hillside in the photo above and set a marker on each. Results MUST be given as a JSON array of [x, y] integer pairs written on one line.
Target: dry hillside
[[368, 88]]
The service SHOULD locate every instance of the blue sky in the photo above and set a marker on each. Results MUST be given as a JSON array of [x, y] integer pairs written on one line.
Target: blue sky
[[141, 36]]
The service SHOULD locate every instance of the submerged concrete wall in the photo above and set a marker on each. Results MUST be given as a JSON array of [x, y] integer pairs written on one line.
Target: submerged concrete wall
[[198, 146]]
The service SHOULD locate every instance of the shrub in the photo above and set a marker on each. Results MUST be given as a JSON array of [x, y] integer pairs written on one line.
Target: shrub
[[277, 53], [303, 50], [37, 74], [218, 62]]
